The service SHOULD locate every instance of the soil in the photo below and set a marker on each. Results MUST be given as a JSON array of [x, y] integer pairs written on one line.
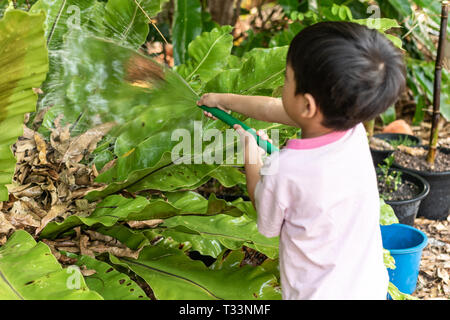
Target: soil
[[419, 162], [407, 190]]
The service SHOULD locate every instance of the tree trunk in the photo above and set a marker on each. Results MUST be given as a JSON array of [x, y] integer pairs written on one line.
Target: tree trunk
[[224, 12], [437, 85]]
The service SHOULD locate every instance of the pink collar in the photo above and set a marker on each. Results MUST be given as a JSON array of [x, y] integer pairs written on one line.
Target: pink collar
[[312, 143]]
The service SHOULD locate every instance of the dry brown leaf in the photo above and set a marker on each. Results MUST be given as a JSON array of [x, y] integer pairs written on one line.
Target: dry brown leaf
[[5, 225], [41, 147], [108, 166], [443, 274], [32, 207], [27, 133], [96, 236], [80, 193], [84, 250], [22, 208], [25, 145], [55, 211], [145, 223], [31, 192], [119, 252], [19, 221], [86, 142], [94, 170], [87, 272]]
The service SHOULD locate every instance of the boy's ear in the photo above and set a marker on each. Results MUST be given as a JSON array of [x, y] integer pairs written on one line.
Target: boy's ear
[[310, 107]]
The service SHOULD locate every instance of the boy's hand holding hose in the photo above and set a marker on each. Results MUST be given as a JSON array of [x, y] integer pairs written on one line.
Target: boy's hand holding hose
[[214, 103], [252, 152]]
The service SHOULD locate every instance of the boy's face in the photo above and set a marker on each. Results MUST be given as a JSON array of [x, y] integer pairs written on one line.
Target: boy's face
[[301, 108], [293, 103]]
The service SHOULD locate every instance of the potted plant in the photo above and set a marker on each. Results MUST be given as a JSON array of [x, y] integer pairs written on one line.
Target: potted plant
[[382, 145], [402, 190], [431, 162]]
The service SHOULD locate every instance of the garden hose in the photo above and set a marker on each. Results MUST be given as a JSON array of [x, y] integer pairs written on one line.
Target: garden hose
[[231, 121]]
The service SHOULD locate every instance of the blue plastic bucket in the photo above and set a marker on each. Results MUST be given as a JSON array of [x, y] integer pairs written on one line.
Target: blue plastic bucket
[[405, 244]]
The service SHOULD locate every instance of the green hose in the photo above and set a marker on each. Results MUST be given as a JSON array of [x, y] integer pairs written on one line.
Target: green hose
[[231, 121]]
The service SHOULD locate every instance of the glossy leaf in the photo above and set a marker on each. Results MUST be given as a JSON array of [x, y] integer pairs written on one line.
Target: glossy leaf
[[174, 276], [422, 76], [262, 72], [24, 61], [232, 232], [116, 208], [208, 55], [127, 21], [108, 282], [187, 25], [61, 16], [29, 271]]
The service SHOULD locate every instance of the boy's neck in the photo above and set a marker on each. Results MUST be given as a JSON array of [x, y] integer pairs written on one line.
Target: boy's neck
[[314, 132]]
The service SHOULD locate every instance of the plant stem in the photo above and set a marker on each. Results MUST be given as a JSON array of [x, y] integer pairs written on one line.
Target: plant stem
[[437, 85]]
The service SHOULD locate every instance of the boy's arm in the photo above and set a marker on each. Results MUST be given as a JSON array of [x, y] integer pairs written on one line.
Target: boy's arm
[[252, 159], [257, 107], [270, 215]]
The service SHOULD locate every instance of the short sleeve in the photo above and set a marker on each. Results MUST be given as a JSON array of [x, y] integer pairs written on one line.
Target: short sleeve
[[270, 213]]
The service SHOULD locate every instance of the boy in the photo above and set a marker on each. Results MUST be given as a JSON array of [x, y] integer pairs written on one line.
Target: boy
[[323, 199]]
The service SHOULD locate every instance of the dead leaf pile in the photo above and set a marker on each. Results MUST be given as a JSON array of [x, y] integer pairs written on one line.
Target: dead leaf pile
[[50, 182], [433, 281], [88, 243]]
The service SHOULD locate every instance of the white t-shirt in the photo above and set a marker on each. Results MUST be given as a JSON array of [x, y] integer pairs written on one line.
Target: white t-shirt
[[320, 195]]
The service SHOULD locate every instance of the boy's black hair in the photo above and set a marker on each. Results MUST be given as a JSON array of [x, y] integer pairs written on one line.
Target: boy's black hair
[[354, 73]]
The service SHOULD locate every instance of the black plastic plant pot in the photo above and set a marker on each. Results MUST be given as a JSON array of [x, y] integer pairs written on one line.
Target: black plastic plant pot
[[406, 210], [379, 155], [436, 206]]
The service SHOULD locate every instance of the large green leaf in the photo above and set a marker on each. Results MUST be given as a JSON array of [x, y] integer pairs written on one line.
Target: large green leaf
[[88, 60], [61, 16], [107, 213], [116, 208], [261, 73], [187, 25], [232, 232], [29, 271], [24, 61], [92, 89], [421, 76], [127, 21], [167, 238], [123, 21], [208, 55], [397, 9], [108, 282], [174, 276]]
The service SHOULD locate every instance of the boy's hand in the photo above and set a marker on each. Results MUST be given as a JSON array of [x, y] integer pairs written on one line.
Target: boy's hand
[[252, 152], [211, 100]]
